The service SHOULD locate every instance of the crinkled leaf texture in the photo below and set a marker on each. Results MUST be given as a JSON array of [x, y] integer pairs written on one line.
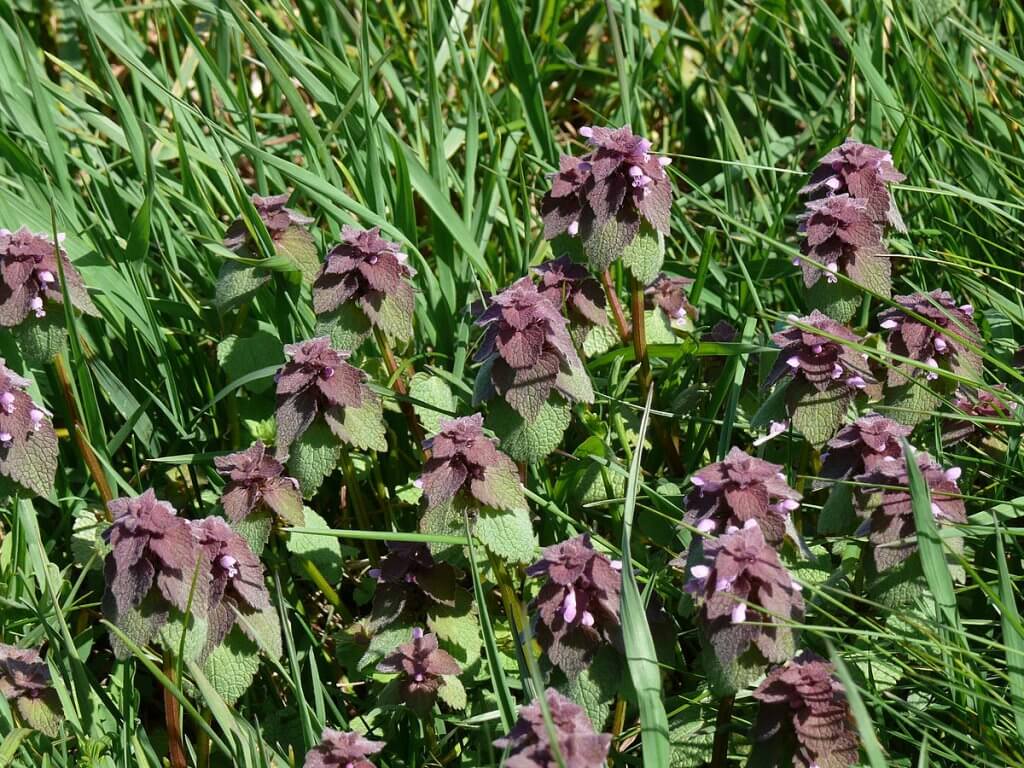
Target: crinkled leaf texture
[[817, 415], [232, 666], [458, 629], [39, 341], [913, 402], [237, 283], [530, 441], [242, 355], [446, 519], [508, 534], [313, 457], [362, 426], [595, 687], [452, 692], [645, 255], [42, 714], [32, 462], [298, 246], [433, 391], [324, 551], [347, 327], [255, 529], [839, 301]]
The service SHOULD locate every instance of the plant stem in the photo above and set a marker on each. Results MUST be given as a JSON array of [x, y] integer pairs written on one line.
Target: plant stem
[[613, 302], [358, 502], [172, 718], [415, 429], [640, 336], [723, 724], [203, 743], [619, 719], [76, 429]]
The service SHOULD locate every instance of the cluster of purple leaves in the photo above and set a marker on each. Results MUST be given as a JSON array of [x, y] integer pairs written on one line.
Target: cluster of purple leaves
[[948, 341], [840, 237], [977, 408], [275, 216], [316, 381], [411, 584], [815, 352], [159, 561], [747, 599], [740, 488], [858, 447], [526, 351], [463, 460], [574, 290], [670, 295], [884, 498], [578, 605], [421, 666], [28, 444], [342, 749], [371, 273], [256, 481], [804, 711], [529, 742], [23, 674], [618, 180], [30, 277]]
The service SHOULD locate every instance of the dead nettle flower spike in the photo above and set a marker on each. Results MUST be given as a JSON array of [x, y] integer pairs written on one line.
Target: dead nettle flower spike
[[256, 480], [409, 577], [464, 460], [747, 598], [578, 606], [527, 353], [342, 749], [374, 275], [237, 584], [946, 347], [814, 352], [858, 447], [26, 684], [729, 493], [670, 294], [976, 408], [618, 180], [863, 172], [840, 237], [422, 667], [275, 216], [30, 277], [316, 381], [529, 743], [804, 713], [885, 500], [28, 444], [573, 289], [153, 554]]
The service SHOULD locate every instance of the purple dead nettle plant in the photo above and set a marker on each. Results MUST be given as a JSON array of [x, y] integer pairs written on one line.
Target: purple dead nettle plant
[[342, 749], [154, 558], [529, 742], [946, 346], [747, 602], [317, 382], [412, 585], [804, 717], [858, 447], [372, 274], [421, 668], [574, 290], [618, 182], [884, 499], [979, 410], [237, 586], [26, 684], [578, 606], [256, 481], [729, 493], [28, 444], [864, 173], [30, 277], [670, 295], [840, 237], [278, 220], [526, 353]]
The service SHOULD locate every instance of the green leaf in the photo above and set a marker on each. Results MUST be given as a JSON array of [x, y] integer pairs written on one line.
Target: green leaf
[[439, 402], [192, 628], [362, 426], [772, 409], [817, 415], [1013, 636], [313, 457], [299, 247], [452, 692], [264, 628], [41, 340], [691, 743], [11, 743], [838, 517], [644, 256], [501, 487], [42, 714], [255, 529], [658, 328], [911, 403], [458, 628], [595, 687], [394, 320], [32, 462], [445, 520], [534, 440], [347, 327], [383, 642], [241, 355], [87, 537], [232, 666], [839, 301], [600, 339], [323, 551], [237, 283], [508, 534]]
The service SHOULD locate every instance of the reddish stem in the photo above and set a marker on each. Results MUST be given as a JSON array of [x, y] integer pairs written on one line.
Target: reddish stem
[[613, 302]]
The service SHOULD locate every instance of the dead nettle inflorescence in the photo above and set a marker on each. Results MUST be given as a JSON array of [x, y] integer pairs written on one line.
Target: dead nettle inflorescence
[[237, 589], [30, 277], [412, 585], [747, 603], [371, 275], [529, 742], [858, 447], [885, 500], [610, 196], [840, 238], [825, 373], [278, 219], [670, 295], [317, 382], [979, 410], [864, 173], [574, 290], [28, 444], [256, 482], [804, 718], [153, 561], [342, 749], [951, 345], [729, 493], [422, 668], [26, 684], [578, 606]]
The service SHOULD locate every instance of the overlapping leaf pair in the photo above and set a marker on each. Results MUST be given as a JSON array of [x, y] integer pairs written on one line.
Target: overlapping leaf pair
[[423, 669], [28, 444], [26, 684], [342, 749], [529, 742]]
